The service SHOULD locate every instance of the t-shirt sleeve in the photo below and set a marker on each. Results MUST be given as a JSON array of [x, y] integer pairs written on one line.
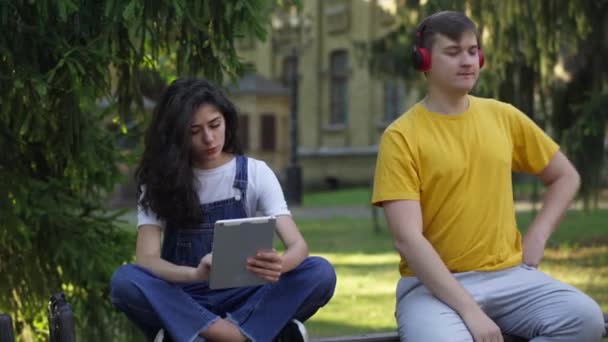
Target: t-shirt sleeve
[[270, 198], [147, 216], [396, 176], [533, 149]]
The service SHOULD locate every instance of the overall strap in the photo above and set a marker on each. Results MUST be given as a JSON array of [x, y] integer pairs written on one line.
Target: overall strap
[[240, 179]]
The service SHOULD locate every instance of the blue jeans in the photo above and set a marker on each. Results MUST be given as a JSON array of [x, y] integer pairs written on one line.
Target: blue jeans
[[185, 310]]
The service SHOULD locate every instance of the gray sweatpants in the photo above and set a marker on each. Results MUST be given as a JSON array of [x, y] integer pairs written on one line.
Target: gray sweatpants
[[521, 300]]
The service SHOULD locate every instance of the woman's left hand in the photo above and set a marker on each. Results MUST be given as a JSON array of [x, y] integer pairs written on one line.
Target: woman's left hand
[[266, 264]]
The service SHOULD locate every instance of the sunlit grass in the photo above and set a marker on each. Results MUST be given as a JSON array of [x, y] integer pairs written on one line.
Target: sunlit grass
[[367, 275], [583, 267], [364, 297]]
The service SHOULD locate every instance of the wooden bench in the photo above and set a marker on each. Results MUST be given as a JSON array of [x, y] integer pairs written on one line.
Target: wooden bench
[[394, 337], [388, 337]]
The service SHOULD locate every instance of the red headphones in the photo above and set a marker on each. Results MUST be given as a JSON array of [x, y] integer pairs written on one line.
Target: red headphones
[[422, 56]]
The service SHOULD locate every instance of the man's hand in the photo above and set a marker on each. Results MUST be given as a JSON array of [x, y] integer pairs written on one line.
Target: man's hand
[[481, 327], [201, 272], [533, 249], [562, 182], [266, 264]]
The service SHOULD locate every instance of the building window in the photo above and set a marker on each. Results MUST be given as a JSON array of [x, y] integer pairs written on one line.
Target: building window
[[243, 132], [394, 100], [290, 64], [339, 87], [338, 16], [268, 132]]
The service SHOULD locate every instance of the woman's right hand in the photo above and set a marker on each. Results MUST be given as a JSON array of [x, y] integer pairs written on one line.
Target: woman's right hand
[[201, 272]]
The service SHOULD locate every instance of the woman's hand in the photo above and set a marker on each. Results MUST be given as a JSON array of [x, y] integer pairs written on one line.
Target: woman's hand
[[201, 272], [266, 264]]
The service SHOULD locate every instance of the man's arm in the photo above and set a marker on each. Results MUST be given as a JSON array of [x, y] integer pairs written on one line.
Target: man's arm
[[562, 182], [404, 219]]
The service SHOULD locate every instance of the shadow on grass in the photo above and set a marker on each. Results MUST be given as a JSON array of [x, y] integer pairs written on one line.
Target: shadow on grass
[[345, 235], [321, 328], [352, 235]]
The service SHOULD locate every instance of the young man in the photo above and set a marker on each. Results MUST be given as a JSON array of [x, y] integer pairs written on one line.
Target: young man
[[443, 177]]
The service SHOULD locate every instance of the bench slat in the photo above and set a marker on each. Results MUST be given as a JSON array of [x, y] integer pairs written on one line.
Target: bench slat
[[387, 337], [394, 337]]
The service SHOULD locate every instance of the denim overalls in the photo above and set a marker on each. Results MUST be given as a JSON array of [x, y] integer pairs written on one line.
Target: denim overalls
[[186, 309]]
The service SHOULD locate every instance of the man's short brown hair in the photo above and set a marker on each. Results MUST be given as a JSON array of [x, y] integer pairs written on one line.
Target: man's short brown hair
[[451, 24]]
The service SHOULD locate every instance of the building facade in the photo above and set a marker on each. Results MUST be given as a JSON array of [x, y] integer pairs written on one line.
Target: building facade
[[263, 107], [342, 107]]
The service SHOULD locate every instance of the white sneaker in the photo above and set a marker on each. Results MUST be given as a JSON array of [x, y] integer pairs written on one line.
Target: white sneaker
[[160, 336], [294, 331]]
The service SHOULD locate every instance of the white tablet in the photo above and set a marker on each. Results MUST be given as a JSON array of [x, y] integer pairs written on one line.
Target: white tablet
[[233, 242]]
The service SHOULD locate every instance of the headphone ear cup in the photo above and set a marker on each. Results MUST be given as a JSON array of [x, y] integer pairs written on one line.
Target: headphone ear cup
[[422, 59], [426, 59], [481, 58], [416, 58]]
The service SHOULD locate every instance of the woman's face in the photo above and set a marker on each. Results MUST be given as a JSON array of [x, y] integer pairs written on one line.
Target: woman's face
[[208, 134]]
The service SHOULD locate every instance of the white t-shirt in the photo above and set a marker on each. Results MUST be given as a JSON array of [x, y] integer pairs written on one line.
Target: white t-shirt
[[264, 193]]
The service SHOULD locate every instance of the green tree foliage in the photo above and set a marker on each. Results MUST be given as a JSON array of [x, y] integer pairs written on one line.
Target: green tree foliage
[[58, 160], [524, 42]]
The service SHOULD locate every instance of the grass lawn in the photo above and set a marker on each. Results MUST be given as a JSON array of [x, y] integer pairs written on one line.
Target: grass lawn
[[341, 197], [367, 268], [361, 195]]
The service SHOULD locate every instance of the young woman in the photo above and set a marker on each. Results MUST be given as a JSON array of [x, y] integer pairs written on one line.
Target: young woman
[[190, 176]]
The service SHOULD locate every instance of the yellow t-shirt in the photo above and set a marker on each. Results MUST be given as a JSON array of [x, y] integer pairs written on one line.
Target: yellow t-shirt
[[459, 168]]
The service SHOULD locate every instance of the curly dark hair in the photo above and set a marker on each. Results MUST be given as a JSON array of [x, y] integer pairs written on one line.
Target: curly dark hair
[[165, 169]]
